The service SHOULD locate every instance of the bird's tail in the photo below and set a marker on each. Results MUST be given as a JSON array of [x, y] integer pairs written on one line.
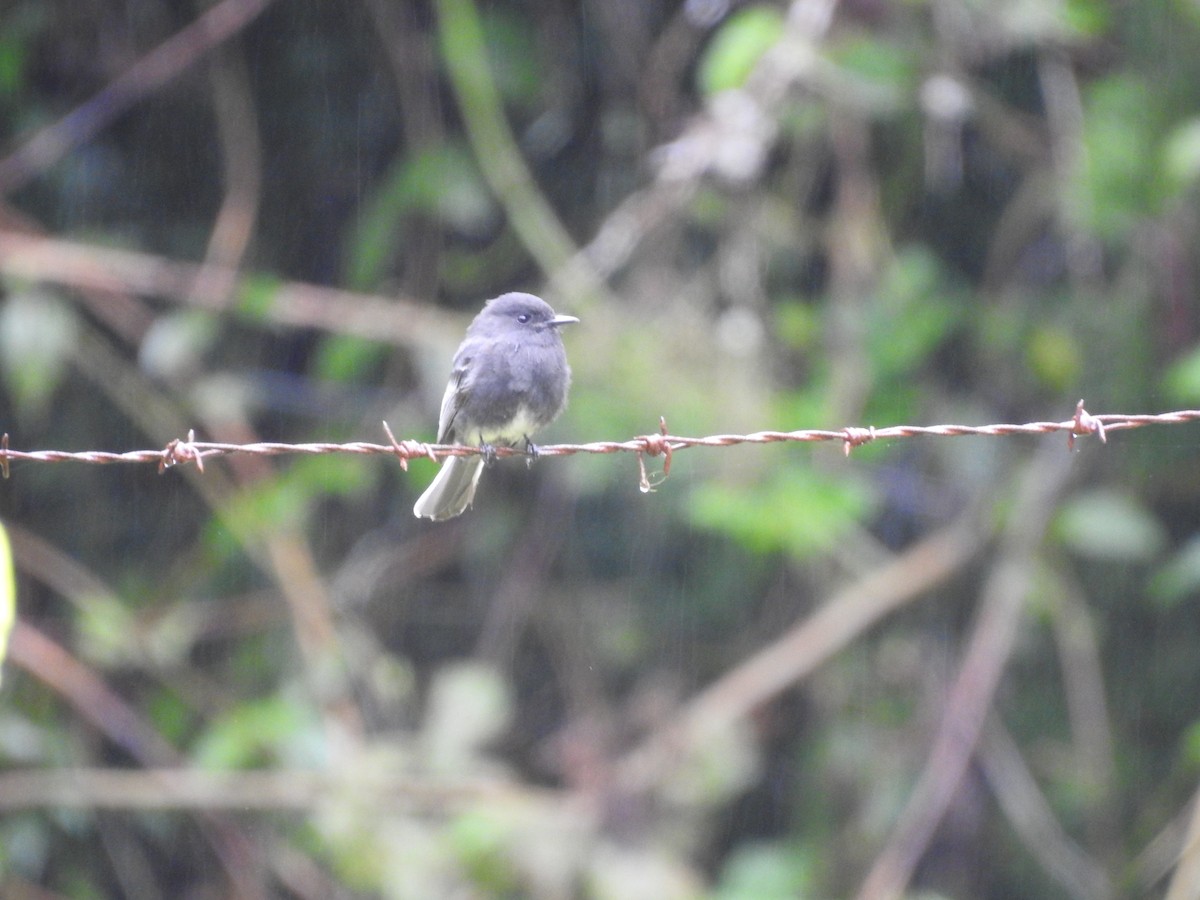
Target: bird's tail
[[452, 491]]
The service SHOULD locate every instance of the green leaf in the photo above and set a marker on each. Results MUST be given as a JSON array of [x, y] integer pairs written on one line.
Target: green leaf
[[256, 733], [38, 332], [1113, 189], [171, 716], [444, 183], [483, 841], [715, 769], [1181, 154], [761, 871], [1179, 578], [469, 704], [1191, 745], [175, 343], [336, 475], [797, 324], [8, 594], [796, 511], [106, 630], [284, 502], [346, 359], [1055, 357], [737, 47], [513, 56], [1087, 18], [1110, 525], [268, 506], [256, 296], [914, 311], [882, 63], [1182, 379], [12, 65]]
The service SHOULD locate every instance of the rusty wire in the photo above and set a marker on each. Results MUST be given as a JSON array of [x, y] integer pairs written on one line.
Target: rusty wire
[[189, 450]]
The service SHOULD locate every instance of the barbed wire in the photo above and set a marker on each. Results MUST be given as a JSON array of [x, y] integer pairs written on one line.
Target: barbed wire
[[189, 450]]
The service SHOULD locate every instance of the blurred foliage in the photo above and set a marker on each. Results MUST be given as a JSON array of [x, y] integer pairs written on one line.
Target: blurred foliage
[[737, 46], [798, 512], [37, 332], [955, 211], [8, 593]]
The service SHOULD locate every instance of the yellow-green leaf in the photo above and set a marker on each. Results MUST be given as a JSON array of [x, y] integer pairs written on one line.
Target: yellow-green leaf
[[8, 593]]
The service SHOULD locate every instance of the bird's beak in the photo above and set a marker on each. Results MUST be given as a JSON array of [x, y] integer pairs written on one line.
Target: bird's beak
[[563, 320]]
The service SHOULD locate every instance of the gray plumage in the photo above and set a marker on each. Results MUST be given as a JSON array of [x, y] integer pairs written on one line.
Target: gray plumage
[[510, 378]]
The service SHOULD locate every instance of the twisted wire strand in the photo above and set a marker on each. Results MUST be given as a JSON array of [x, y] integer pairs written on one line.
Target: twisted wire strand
[[190, 450]]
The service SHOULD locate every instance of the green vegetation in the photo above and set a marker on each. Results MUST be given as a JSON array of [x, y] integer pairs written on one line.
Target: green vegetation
[[939, 667]]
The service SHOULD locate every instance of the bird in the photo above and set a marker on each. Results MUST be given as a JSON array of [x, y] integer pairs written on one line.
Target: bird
[[509, 379]]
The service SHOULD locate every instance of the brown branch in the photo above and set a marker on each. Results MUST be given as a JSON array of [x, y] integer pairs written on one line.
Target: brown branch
[[1030, 814], [91, 698], [190, 789], [779, 665], [1185, 882], [399, 321], [152, 71], [991, 645], [241, 159], [1093, 750]]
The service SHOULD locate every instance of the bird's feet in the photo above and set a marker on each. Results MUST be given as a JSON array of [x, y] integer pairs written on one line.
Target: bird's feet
[[488, 452], [531, 452]]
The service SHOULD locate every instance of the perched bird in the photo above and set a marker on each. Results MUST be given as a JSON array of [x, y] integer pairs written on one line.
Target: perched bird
[[510, 378]]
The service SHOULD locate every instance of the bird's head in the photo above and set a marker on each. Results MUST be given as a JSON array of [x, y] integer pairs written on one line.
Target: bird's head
[[525, 310]]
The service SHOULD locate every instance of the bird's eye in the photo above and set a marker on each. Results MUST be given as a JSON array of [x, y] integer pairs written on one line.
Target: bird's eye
[[523, 318]]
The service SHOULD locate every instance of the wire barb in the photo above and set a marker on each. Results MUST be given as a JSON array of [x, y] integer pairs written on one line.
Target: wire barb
[[178, 452], [1085, 423], [406, 450], [856, 437], [654, 445]]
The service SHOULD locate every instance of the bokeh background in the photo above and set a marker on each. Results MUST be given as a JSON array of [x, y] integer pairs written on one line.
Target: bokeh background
[[955, 667]]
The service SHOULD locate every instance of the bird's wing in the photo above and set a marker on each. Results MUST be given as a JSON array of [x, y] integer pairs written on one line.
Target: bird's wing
[[453, 399]]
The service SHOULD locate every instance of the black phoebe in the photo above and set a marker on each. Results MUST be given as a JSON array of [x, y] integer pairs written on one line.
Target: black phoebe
[[510, 378]]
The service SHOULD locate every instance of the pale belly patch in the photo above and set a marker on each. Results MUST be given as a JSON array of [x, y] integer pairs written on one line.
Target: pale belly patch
[[522, 425]]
